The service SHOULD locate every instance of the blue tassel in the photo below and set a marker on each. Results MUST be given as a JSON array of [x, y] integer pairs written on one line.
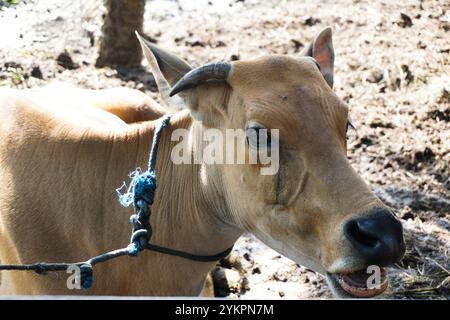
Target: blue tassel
[[144, 187]]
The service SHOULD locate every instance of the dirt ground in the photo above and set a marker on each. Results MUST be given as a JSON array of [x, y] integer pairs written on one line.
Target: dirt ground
[[392, 69]]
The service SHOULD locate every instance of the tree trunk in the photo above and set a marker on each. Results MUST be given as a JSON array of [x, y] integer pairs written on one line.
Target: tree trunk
[[119, 46]]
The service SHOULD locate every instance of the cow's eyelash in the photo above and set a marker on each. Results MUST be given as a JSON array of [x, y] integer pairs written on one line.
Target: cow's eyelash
[[256, 144]]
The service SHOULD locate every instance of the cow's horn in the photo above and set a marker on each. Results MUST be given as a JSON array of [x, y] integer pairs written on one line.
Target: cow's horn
[[210, 71]]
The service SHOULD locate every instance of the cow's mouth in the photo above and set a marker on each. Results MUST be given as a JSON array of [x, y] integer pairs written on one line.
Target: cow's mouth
[[357, 284]]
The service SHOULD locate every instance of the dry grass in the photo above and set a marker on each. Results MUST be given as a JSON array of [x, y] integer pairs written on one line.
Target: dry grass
[[424, 272]]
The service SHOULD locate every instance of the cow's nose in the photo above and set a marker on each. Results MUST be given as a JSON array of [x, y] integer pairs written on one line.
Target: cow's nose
[[378, 237]]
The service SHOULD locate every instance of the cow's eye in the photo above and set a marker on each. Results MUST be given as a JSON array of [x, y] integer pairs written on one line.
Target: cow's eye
[[258, 136]]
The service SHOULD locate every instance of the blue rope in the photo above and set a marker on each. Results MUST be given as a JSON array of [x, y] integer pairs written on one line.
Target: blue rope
[[143, 185], [141, 194]]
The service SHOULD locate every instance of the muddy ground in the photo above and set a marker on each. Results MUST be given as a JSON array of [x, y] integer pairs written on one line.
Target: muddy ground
[[392, 69]]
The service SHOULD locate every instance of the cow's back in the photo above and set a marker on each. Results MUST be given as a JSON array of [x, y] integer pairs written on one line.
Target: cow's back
[[43, 157]]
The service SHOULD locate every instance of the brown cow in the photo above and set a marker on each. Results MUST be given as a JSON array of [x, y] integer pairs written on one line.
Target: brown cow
[[61, 159]]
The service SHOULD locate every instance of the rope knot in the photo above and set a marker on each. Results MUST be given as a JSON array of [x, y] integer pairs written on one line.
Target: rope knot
[[141, 189], [144, 187], [139, 240], [86, 276]]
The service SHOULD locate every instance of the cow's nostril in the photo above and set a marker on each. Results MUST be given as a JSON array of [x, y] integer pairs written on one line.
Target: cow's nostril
[[359, 234], [377, 236]]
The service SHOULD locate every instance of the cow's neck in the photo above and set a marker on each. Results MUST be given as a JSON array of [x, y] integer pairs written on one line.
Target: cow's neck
[[186, 214]]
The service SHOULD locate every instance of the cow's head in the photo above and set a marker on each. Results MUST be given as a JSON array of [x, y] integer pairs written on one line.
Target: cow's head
[[316, 209]]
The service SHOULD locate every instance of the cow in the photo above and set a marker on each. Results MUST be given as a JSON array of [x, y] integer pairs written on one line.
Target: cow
[[64, 151]]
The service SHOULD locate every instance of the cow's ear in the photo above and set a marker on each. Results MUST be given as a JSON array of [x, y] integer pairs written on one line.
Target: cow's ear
[[322, 50], [171, 66], [167, 69]]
